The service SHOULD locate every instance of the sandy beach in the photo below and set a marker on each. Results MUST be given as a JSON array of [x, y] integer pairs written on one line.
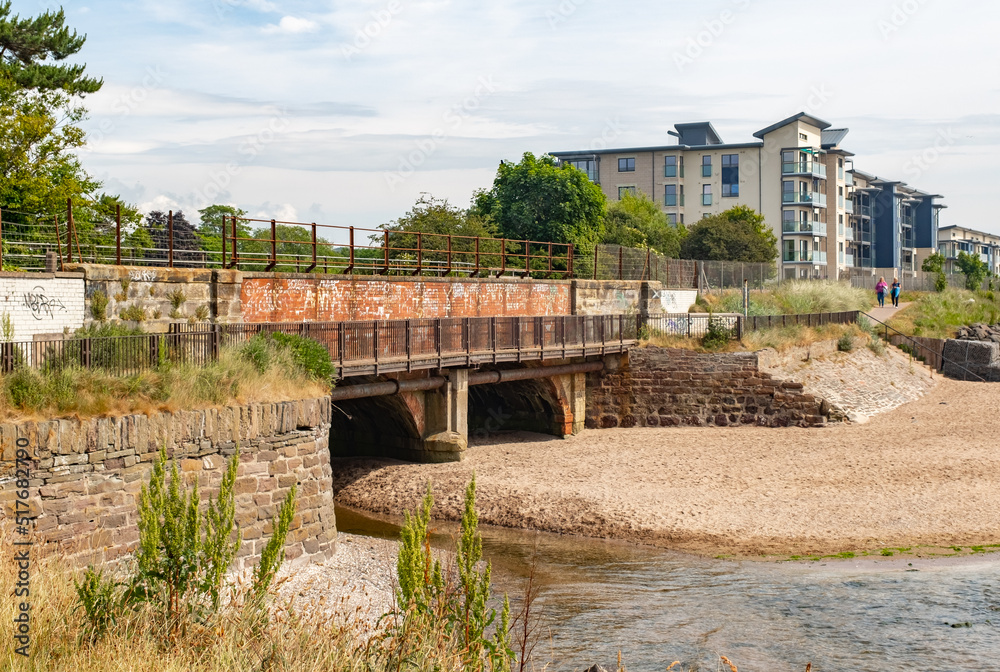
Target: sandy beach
[[926, 473]]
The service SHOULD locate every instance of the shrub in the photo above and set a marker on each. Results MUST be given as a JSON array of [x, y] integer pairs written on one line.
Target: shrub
[[133, 313], [940, 282], [875, 345], [201, 312], [311, 355], [845, 343], [258, 351], [25, 388], [99, 305], [177, 298], [717, 335]]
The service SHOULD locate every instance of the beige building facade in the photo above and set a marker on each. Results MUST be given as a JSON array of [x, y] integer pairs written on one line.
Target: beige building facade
[[795, 174]]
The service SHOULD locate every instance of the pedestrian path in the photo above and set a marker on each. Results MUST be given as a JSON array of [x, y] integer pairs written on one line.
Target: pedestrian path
[[883, 314]]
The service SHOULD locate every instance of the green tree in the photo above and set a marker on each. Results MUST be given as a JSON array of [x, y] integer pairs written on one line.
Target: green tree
[[637, 221], [538, 199], [32, 51], [975, 269], [933, 264], [738, 234], [437, 219]]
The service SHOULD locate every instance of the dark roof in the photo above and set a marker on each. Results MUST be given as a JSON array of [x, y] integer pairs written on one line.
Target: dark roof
[[661, 148], [832, 137], [698, 133], [815, 121]]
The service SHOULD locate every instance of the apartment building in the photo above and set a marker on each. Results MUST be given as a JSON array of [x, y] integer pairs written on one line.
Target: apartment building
[[795, 173], [955, 239]]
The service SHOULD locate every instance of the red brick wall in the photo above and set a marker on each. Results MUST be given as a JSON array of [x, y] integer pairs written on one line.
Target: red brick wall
[[284, 298], [665, 387]]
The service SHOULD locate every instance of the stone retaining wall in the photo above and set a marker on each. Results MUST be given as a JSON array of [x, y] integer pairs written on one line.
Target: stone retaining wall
[[86, 475], [669, 387], [965, 358]]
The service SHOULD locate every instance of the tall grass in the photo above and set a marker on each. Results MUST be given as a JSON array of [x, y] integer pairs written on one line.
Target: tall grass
[[236, 377], [939, 315], [779, 338], [790, 298]]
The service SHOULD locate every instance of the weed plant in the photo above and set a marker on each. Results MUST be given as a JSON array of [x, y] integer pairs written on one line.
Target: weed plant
[[792, 297]]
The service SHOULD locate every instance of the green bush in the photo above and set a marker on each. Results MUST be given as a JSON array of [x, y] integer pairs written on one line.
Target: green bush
[[940, 282], [311, 355], [845, 343], [717, 335], [25, 388], [258, 351], [99, 305]]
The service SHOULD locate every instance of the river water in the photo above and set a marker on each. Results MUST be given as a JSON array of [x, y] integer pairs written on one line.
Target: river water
[[598, 597]]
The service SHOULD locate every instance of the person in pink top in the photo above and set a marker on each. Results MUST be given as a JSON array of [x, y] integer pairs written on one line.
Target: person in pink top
[[880, 288]]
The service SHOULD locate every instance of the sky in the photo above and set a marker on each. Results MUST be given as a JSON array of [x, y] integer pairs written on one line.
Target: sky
[[343, 113]]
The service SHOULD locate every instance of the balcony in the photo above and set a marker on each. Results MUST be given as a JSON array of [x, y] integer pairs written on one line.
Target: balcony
[[672, 200], [804, 257], [840, 202], [849, 235], [804, 228], [804, 198], [862, 210], [849, 260], [673, 171], [811, 168], [849, 207], [849, 179]]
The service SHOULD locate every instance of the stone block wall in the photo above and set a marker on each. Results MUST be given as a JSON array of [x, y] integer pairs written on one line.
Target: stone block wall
[[86, 475], [208, 294], [42, 303], [965, 357], [665, 387]]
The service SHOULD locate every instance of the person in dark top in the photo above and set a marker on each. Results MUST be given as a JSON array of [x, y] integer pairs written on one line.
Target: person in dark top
[[894, 291]]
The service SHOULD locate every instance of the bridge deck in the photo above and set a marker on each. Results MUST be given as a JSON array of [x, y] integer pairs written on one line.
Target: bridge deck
[[372, 347]]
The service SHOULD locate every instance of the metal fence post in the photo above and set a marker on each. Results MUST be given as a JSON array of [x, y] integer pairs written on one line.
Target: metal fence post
[[569, 261], [274, 246], [225, 222], [170, 239], [350, 263]]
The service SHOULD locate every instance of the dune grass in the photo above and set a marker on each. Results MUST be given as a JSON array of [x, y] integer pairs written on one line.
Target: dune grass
[[790, 298], [254, 372], [939, 315], [779, 338]]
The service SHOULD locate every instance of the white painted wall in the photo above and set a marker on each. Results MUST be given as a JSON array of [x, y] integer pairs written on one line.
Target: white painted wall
[[41, 304], [676, 300]]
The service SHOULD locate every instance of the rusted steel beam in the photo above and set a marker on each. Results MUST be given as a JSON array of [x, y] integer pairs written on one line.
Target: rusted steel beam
[[386, 388], [509, 375]]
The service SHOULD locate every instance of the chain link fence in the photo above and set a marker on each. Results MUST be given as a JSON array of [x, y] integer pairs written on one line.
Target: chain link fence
[[615, 262]]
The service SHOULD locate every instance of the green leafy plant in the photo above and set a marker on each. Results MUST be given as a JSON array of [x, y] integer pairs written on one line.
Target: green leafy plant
[[177, 298], [133, 313], [201, 312], [430, 598], [98, 596], [123, 295], [940, 282], [717, 335], [311, 355], [99, 305], [6, 327], [845, 343], [273, 555]]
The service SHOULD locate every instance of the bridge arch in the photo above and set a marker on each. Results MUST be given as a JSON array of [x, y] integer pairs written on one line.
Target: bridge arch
[[382, 426]]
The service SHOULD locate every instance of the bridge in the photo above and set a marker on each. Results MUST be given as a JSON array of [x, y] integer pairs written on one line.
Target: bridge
[[413, 389]]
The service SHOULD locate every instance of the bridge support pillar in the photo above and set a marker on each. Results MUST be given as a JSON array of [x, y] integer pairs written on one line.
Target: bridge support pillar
[[446, 419], [571, 395]]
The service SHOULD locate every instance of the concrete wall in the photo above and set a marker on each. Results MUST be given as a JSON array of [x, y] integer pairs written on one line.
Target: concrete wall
[[42, 303], [653, 387], [86, 475]]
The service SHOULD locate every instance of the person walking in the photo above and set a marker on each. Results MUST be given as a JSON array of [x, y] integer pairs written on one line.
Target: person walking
[[894, 292], [880, 288]]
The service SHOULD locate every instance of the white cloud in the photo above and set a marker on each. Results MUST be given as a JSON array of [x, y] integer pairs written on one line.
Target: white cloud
[[291, 25]]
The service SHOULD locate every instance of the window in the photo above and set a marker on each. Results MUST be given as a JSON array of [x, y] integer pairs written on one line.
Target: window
[[670, 194], [625, 190], [672, 218], [788, 191], [588, 166], [626, 165], [706, 194], [670, 166], [730, 175], [706, 166], [804, 137]]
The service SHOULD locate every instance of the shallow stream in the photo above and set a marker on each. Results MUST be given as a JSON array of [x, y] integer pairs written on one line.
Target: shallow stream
[[656, 606]]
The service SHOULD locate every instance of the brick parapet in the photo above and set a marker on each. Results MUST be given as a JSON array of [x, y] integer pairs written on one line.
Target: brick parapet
[[87, 474], [672, 387]]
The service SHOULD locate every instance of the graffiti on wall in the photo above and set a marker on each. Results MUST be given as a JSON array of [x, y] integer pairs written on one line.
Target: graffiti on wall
[[41, 305]]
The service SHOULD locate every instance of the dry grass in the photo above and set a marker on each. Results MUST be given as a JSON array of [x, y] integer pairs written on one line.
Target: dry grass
[[939, 315], [77, 392], [791, 297], [779, 338], [295, 638]]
